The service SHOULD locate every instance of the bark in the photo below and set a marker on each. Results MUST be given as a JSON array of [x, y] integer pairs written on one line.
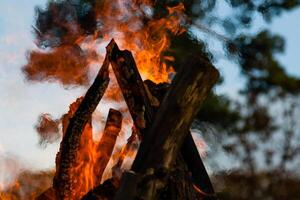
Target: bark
[[107, 142], [161, 144], [63, 180]]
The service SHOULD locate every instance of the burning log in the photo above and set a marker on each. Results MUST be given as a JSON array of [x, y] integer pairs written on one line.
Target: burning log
[[161, 144], [189, 149], [63, 180], [132, 85], [106, 144]]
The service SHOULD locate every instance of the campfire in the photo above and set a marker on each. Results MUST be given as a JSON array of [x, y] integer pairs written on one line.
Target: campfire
[[167, 164]]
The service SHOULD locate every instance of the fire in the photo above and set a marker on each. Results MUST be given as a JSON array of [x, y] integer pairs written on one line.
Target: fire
[[72, 59], [148, 41], [86, 156], [123, 21]]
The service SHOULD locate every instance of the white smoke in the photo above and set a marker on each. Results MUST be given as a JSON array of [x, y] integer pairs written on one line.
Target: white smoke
[[10, 168]]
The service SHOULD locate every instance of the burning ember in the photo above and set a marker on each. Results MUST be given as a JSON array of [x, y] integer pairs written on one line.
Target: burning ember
[[72, 36]]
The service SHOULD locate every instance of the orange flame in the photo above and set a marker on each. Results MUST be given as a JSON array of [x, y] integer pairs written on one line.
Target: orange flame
[[147, 40]]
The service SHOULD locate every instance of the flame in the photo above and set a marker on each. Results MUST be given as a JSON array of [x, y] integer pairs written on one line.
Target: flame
[[125, 22], [148, 41], [92, 157]]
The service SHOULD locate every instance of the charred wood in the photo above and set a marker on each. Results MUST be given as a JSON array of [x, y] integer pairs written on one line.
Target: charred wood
[[132, 85], [189, 149], [63, 180], [107, 142]]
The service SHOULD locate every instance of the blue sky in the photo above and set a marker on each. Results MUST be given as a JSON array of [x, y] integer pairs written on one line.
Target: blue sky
[[21, 102]]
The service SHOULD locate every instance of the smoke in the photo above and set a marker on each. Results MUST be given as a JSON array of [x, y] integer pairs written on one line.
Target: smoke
[[27, 185], [18, 183], [9, 170], [73, 32], [48, 129], [200, 144], [63, 22], [66, 64], [58, 30]]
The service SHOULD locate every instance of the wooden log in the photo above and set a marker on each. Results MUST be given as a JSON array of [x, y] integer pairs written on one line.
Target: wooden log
[[189, 149], [86, 139], [69, 146], [107, 142], [179, 184], [131, 85], [161, 144]]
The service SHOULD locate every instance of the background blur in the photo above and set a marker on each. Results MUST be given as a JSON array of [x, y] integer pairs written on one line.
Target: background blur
[[250, 122]]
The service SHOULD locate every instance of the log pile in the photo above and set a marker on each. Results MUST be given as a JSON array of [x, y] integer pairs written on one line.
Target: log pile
[[167, 164]]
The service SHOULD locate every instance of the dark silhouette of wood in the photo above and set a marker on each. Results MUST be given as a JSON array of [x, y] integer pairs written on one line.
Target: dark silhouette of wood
[[69, 146], [107, 142], [189, 149], [161, 144]]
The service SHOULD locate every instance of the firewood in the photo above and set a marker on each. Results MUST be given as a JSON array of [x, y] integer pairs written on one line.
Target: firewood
[[131, 85], [107, 142], [161, 144], [179, 184], [189, 149], [157, 90], [63, 180]]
